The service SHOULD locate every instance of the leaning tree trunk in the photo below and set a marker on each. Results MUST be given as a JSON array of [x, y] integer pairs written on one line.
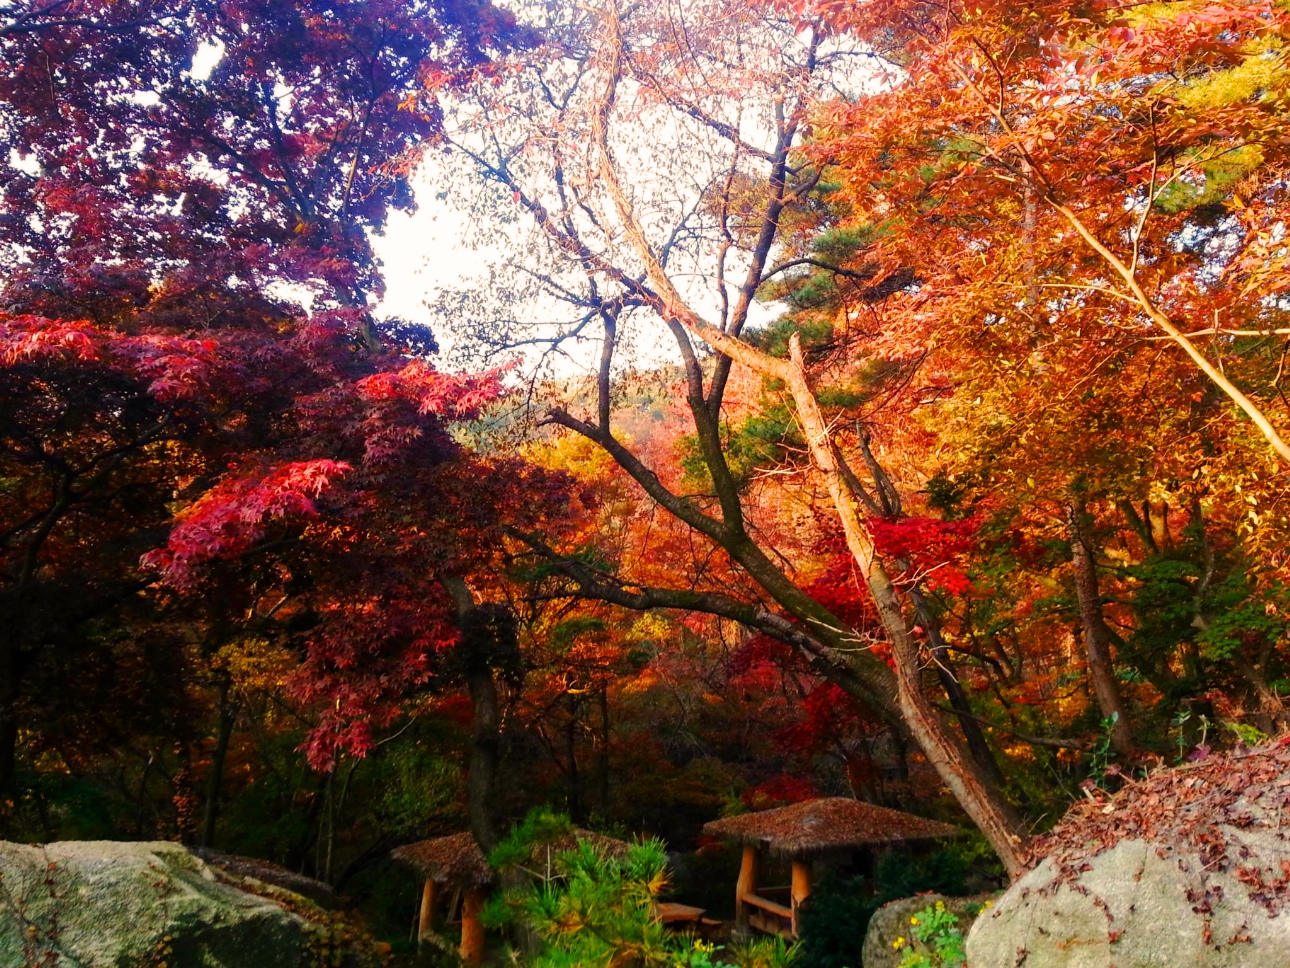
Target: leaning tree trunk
[[888, 501], [960, 773], [1097, 637], [979, 799]]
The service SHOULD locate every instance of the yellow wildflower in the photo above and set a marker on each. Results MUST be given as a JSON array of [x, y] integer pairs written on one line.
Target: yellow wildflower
[[898, 943]]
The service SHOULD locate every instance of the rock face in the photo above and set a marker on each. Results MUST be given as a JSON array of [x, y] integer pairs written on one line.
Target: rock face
[[269, 873], [1187, 867], [891, 921], [96, 904]]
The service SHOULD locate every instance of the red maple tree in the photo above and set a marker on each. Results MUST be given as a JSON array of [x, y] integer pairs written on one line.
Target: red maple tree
[[194, 389]]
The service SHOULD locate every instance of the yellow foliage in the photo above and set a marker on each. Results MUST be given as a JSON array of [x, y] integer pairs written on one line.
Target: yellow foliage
[[651, 626], [572, 453], [256, 663], [1261, 76]]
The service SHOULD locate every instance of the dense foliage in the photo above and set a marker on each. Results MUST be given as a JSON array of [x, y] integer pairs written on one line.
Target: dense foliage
[[878, 398], [589, 907]]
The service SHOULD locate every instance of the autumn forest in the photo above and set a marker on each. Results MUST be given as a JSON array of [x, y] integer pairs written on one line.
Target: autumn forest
[[879, 401]]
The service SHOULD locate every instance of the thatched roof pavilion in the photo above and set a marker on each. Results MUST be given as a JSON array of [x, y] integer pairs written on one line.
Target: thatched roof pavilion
[[819, 826], [456, 864], [802, 832]]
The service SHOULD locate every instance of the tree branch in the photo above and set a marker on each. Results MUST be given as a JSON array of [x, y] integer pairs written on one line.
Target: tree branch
[[1064, 744]]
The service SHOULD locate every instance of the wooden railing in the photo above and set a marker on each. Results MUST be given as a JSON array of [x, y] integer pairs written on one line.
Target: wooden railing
[[767, 916]]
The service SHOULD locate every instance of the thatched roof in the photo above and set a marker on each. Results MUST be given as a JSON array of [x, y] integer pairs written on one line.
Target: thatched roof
[[830, 823], [457, 861], [610, 846]]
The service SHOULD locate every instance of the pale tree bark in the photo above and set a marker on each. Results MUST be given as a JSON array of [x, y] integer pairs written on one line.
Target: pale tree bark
[[945, 672], [986, 807], [1097, 637], [988, 810], [1139, 295], [888, 503], [640, 278]]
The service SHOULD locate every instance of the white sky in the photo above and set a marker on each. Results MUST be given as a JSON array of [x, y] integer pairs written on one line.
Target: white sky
[[423, 252]]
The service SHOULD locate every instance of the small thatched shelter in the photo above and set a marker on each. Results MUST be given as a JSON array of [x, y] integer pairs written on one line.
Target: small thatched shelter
[[455, 861], [802, 833], [455, 867]]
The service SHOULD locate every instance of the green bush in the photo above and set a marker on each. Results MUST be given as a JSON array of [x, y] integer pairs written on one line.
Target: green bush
[[934, 941], [595, 909], [834, 921]]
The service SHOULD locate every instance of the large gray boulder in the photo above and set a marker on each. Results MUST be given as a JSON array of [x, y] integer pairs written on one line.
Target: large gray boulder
[[1189, 866], [101, 904]]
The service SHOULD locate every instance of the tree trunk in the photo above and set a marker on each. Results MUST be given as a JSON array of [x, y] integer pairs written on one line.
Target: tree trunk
[[976, 741], [1270, 713], [572, 777], [8, 727], [984, 804], [480, 782], [903, 795], [602, 757], [183, 793], [1159, 525], [1097, 637], [298, 855], [979, 799], [482, 632], [215, 781], [331, 825]]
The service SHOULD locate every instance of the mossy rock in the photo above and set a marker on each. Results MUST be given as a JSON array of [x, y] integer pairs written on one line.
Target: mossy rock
[[103, 904]]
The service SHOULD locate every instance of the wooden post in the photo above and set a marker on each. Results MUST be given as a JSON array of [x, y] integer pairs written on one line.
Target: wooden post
[[472, 929], [747, 884], [425, 923], [801, 890]]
